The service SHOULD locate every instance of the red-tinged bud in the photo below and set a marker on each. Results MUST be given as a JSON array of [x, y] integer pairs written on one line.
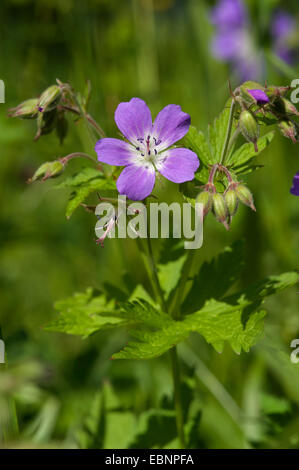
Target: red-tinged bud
[[47, 170], [289, 129], [290, 109], [249, 127], [274, 91], [26, 110], [220, 209], [50, 98], [232, 202], [205, 198], [245, 196]]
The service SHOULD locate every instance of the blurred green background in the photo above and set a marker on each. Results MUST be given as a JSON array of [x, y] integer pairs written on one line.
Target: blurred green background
[[54, 387]]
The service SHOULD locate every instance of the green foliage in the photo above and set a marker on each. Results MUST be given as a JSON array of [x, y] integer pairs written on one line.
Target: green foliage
[[218, 317], [83, 314], [217, 132], [82, 184], [239, 161]]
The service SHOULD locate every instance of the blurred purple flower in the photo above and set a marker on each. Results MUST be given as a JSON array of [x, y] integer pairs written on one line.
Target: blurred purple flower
[[229, 14], [233, 41], [148, 148], [283, 27], [295, 188]]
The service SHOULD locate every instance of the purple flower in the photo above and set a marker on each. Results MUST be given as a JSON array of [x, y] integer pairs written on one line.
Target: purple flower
[[227, 45], [283, 27], [148, 148], [295, 188], [229, 14], [259, 96]]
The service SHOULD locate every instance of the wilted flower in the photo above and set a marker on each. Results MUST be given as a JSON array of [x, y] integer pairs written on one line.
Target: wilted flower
[[295, 188], [148, 148]]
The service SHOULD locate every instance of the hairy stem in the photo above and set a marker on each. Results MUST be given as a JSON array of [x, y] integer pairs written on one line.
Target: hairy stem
[[173, 352], [228, 132], [177, 396]]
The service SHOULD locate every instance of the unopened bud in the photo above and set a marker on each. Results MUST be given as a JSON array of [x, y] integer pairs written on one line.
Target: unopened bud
[[47, 170], [290, 109], [232, 202], [245, 196], [205, 198], [220, 209], [251, 93], [289, 129], [273, 91], [26, 110], [249, 127], [49, 98], [45, 123]]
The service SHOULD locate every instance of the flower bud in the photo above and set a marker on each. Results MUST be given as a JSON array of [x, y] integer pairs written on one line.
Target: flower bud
[[289, 129], [205, 198], [249, 127], [250, 91], [245, 196], [45, 123], [47, 170], [26, 110], [259, 96], [232, 202], [49, 98], [220, 209], [273, 91], [289, 108]]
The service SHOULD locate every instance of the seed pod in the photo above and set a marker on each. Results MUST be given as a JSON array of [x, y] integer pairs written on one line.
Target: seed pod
[[205, 198], [26, 110], [49, 98], [232, 202], [289, 129], [220, 209], [249, 127], [245, 196], [47, 170]]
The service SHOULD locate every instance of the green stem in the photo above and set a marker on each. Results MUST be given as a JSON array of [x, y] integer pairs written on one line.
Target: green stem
[[154, 274], [179, 295], [177, 396], [228, 132], [173, 353]]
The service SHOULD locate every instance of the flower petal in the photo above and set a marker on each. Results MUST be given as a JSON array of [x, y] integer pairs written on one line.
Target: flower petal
[[114, 151], [259, 96], [136, 181], [170, 125], [134, 120], [295, 188], [178, 165]]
